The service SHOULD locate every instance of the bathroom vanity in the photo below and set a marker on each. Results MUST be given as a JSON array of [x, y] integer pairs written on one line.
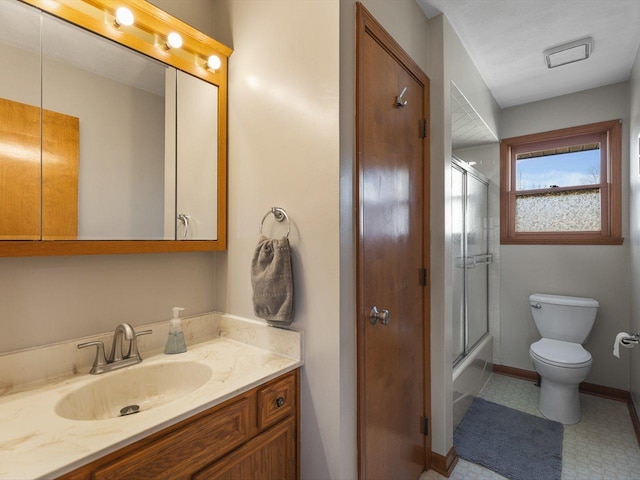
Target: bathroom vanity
[[226, 408], [253, 435]]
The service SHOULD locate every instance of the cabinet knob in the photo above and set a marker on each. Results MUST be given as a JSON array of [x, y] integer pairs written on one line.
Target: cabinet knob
[[279, 402]]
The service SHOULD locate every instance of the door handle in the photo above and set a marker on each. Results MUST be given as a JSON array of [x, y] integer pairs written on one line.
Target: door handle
[[184, 218], [375, 315]]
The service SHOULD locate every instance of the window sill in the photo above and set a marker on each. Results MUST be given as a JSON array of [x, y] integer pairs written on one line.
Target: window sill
[[561, 239]]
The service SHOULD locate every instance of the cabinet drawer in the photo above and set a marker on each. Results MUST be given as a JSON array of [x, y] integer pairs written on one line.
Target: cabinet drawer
[[187, 449], [276, 401]]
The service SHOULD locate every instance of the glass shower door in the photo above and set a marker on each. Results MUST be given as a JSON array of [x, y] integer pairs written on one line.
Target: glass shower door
[[471, 259], [477, 260], [457, 247]]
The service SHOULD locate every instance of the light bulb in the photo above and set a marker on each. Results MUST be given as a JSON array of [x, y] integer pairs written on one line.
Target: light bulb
[[124, 16], [214, 62], [174, 40]]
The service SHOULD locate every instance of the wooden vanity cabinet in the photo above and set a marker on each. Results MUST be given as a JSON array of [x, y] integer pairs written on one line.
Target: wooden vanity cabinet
[[254, 435]]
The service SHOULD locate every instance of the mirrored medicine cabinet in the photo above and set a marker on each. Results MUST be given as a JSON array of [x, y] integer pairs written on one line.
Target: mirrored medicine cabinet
[[112, 135]]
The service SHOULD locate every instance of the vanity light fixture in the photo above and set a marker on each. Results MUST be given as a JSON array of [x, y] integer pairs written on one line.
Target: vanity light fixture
[[568, 53], [174, 40], [124, 17], [214, 62]]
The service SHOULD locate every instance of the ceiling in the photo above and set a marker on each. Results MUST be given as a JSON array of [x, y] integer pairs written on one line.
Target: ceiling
[[467, 127], [506, 40]]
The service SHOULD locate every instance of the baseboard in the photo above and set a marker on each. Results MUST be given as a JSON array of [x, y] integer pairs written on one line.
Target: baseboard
[[606, 392], [589, 388], [515, 372], [444, 465]]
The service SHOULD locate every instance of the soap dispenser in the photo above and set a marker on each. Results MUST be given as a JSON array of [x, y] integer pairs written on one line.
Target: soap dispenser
[[175, 342]]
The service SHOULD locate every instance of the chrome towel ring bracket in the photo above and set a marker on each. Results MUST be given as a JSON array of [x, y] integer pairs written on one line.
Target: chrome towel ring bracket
[[280, 215]]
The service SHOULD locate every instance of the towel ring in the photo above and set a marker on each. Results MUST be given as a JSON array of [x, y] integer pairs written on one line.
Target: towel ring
[[280, 215]]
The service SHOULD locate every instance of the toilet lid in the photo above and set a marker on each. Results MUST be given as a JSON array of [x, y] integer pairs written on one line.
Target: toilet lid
[[559, 353]]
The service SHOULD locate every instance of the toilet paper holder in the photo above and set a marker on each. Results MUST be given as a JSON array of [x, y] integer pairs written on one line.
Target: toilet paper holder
[[632, 338], [627, 340]]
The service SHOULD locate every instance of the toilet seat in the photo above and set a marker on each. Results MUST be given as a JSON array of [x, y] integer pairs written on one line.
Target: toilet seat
[[560, 354]]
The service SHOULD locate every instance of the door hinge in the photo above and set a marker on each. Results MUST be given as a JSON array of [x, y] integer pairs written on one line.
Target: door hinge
[[425, 426], [423, 277], [423, 128]]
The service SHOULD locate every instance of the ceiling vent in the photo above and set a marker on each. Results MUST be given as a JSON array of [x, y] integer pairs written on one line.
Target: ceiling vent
[[569, 53]]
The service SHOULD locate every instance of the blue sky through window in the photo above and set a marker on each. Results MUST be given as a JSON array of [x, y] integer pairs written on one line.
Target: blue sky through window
[[562, 170]]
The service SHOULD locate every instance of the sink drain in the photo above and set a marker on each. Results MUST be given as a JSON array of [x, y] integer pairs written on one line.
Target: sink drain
[[129, 410]]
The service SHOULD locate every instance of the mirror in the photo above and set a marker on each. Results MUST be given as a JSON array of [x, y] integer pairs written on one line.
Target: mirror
[[116, 99], [197, 118], [132, 155]]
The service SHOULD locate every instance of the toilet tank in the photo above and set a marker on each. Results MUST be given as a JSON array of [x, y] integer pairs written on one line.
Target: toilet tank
[[558, 317]]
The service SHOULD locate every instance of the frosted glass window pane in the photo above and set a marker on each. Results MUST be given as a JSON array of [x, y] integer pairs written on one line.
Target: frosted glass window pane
[[573, 211]]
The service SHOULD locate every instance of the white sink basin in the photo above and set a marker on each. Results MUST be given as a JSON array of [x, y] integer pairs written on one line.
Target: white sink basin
[[145, 386]]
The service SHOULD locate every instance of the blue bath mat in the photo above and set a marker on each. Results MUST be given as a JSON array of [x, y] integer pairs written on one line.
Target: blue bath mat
[[514, 444]]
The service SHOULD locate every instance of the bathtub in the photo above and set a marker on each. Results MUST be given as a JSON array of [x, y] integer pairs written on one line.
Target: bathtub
[[470, 375]]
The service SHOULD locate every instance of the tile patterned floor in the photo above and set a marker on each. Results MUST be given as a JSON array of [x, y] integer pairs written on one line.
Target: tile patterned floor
[[602, 446]]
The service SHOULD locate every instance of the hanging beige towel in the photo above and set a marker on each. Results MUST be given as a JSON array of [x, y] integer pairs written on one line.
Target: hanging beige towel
[[272, 281]]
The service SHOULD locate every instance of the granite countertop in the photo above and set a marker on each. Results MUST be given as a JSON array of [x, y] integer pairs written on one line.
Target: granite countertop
[[36, 442]]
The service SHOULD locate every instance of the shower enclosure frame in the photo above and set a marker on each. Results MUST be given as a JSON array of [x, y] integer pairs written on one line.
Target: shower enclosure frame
[[470, 261]]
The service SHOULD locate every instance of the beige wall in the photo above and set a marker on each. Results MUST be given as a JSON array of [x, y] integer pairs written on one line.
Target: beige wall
[[600, 272], [447, 61], [283, 151], [440, 238], [634, 228], [49, 299], [197, 13], [459, 68]]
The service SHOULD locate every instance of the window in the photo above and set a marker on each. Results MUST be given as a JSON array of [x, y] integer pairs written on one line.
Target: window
[[562, 187]]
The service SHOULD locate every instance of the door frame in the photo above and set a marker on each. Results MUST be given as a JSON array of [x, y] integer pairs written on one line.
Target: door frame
[[366, 24]]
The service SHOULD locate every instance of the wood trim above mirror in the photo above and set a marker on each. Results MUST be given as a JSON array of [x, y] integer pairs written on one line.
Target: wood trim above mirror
[[148, 36]]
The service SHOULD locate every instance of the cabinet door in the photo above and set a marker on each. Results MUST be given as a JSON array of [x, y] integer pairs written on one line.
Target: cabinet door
[[196, 163], [270, 456]]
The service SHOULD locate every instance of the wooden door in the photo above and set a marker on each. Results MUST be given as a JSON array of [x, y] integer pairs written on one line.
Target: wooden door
[[19, 171], [38, 177], [393, 248], [60, 160]]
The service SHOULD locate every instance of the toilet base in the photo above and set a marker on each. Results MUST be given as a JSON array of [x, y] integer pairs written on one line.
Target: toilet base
[[560, 402]]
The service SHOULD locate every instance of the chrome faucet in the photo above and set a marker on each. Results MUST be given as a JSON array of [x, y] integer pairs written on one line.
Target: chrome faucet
[[117, 358], [124, 331]]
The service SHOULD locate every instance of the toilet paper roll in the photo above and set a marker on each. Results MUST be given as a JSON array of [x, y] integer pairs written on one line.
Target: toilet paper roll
[[618, 342]]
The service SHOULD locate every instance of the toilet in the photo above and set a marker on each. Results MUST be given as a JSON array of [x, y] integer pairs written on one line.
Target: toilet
[[559, 358]]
